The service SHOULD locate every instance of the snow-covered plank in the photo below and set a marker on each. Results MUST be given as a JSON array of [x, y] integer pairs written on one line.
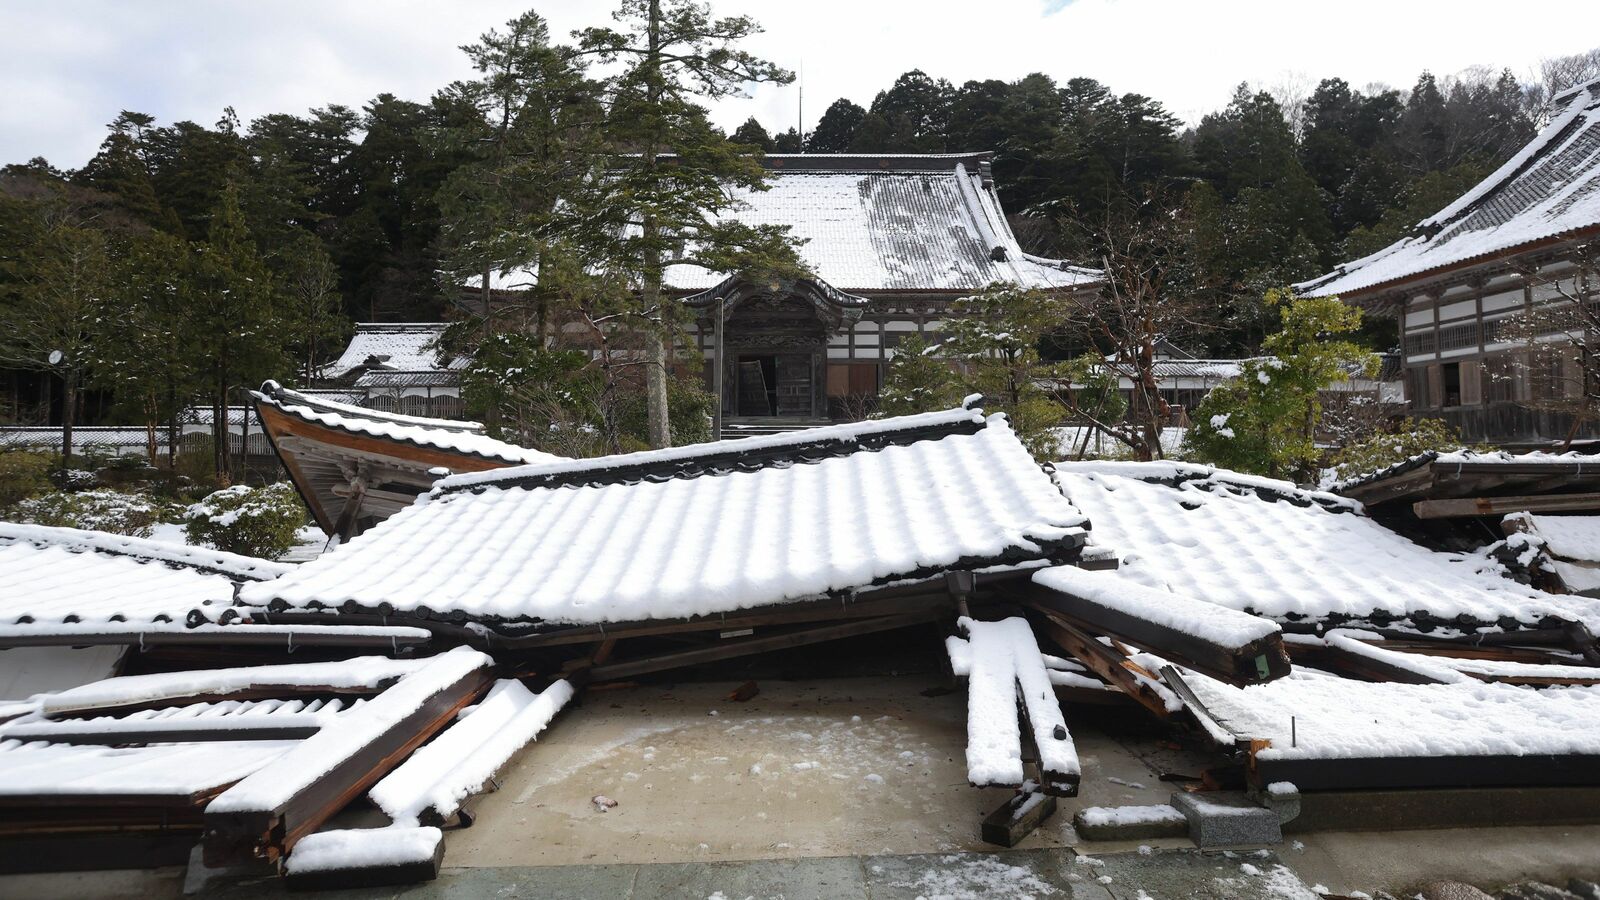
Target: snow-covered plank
[[268, 812], [292, 726], [178, 773], [365, 857], [1007, 668], [1227, 643], [439, 777], [364, 674]]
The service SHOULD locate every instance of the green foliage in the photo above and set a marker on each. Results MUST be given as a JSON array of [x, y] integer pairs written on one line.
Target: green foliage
[[135, 515], [689, 408], [1264, 422], [550, 400], [995, 336], [252, 521], [1379, 451], [23, 475], [918, 380]]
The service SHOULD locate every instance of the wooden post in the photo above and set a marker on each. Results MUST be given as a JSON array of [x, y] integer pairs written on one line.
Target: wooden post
[[716, 372]]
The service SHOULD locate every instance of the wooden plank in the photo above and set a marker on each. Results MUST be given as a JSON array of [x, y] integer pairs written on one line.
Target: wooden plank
[[1428, 772], [1017, 818], [1253, 663], [735, 648], [1499, 506], [249, 728], [1342, 661], [226, 636], [85, 852], [1111, 666], [236, 837]]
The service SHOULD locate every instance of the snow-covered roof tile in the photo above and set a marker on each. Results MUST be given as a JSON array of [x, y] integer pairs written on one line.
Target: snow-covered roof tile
[[1548, 190], [1266, 547], [62, 575], [705, 529], [408, 346], [442, 434]]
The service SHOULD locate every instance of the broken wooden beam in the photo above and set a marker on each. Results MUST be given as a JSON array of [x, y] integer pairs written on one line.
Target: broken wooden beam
[[266, 814], [1112, 666], [1227, 644], [1498, 506]]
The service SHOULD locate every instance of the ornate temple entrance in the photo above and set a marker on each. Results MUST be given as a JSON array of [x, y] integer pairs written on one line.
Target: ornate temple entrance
[[770, 343]]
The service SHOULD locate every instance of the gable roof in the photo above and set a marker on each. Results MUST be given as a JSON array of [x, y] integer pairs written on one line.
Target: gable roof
[[704, 529], [405, 346], [1548, 191], [1269, 548]]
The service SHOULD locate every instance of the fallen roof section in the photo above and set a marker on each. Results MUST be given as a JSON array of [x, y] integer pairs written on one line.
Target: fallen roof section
[[1570, 546], [406, 346], [1437, 475], [1548, 191], [351, 463], [1273, 550], [710, 528], [66, 581]]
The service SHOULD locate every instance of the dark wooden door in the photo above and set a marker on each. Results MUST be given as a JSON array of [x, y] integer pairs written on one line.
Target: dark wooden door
[[794, 384]]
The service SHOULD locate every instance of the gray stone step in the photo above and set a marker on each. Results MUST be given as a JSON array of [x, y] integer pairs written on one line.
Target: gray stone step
[[1227, 819]]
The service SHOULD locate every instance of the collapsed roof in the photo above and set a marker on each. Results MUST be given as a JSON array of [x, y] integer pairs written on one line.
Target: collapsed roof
[[704, 529], [1547, 192], [1266, 547], [405, 346], [329, 447]]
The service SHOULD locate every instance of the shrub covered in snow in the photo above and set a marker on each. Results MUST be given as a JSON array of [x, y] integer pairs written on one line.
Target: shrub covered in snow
[[23, 475], [103, 510], [251, 521]]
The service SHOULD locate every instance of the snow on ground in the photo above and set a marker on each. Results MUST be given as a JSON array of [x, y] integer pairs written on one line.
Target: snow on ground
[[978, 878]]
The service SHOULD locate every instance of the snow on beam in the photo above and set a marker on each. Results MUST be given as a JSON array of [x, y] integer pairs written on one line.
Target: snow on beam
[[266, 814], [365, 674], [438, 778], [1227, 644], [365, 857], [1006, 667], [151, 634]]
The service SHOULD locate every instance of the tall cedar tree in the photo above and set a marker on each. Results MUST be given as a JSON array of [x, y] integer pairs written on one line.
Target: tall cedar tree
[[662, 193], [532, 134], [54, 278], [234, 329]]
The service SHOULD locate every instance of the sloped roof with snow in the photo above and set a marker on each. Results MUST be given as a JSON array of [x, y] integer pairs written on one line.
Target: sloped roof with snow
[[1266, 547], [442, 434], [1548, 190], [53, 576], [705, 529], [886, 223], [407, 346]]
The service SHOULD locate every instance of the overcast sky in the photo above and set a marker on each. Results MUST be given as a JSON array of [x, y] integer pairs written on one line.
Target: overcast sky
[[68, 66]]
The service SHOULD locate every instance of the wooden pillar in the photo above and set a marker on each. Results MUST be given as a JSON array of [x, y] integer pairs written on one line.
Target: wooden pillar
[[716, 373]]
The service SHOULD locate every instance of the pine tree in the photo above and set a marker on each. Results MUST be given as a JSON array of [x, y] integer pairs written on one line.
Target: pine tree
[[751, 134], [918, 380], [836, 129], [645, 205]]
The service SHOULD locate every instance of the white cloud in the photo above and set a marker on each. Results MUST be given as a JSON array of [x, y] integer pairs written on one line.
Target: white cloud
[[66, 69]]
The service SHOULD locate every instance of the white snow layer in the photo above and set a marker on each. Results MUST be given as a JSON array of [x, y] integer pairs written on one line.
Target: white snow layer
[[1005, 664], [1207, 621], [1160, 814], [459, 762], [1216, 539], [1337, 718], [270, 788], [360, 672], [53, 574], [363, 848], [163, 770], [699, 545]]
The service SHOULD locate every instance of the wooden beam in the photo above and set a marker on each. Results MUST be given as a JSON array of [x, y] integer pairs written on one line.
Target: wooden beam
[[1254, 662], [735, 648], [226, 636], [243, 836], [1499, 506], [1017, 818], [1105, 662], [1342, 661], [154, 731]]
